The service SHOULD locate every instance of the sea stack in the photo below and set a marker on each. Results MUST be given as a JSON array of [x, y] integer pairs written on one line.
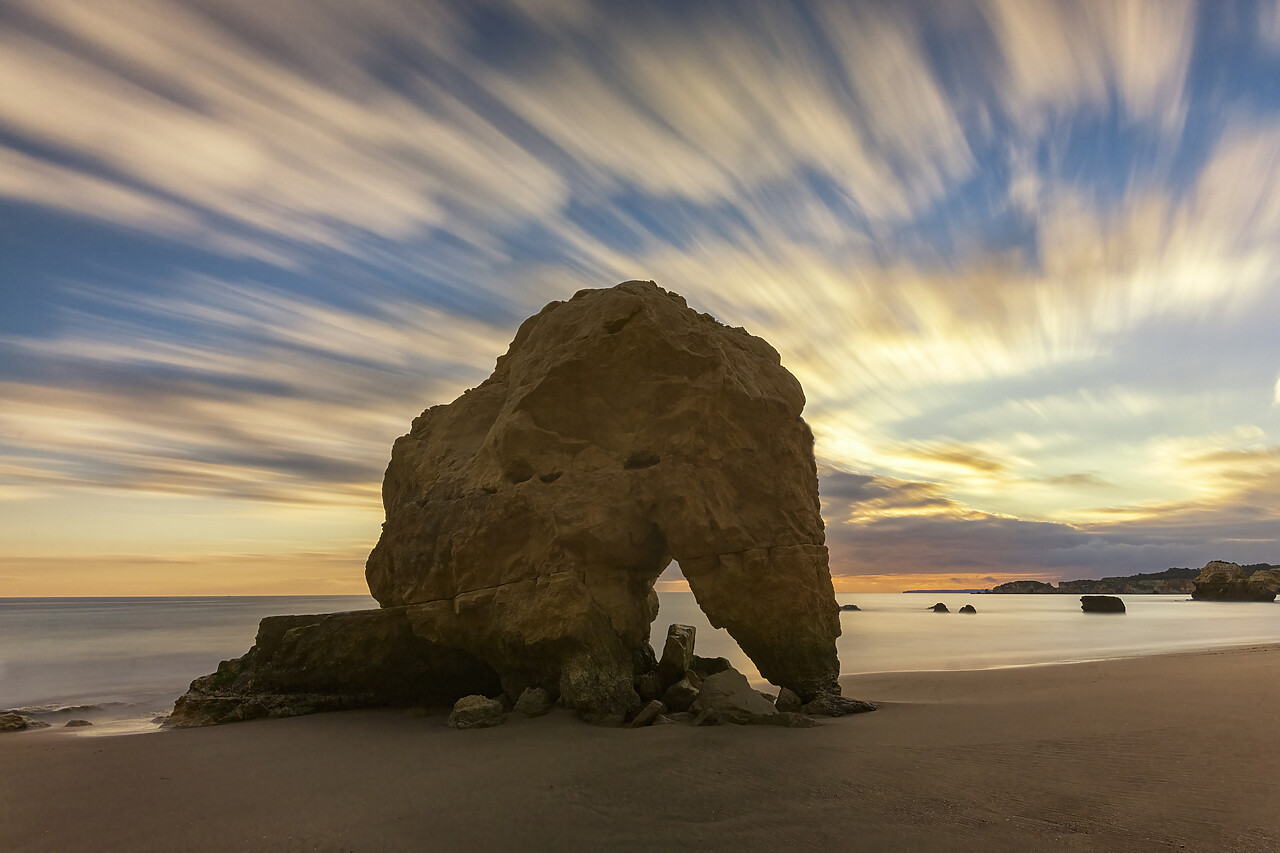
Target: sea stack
[[1223, 581], [527, 521]]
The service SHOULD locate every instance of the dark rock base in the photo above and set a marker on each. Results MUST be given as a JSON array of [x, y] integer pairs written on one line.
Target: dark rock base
[[379, 658], [334, 662]]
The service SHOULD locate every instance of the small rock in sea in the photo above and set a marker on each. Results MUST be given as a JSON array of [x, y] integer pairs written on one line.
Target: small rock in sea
[[677, 717], [1101, 604], [534, 702], [850, 607], [939, 608], [477, 712], [968, 608], [648, 714], [787, 701], [74, 724]]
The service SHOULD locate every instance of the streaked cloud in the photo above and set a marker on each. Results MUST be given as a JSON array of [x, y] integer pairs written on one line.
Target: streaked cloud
[[186, 109], [708, 108], [1065, 54], [263, 395], [1020, 253]]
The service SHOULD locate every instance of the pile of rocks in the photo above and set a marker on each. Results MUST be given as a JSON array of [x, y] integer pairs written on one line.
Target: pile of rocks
[[683, 688]]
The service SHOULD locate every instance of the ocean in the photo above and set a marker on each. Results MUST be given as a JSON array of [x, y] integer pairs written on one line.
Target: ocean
[[122, 661]]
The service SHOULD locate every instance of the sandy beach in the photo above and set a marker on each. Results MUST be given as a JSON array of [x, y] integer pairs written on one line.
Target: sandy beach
[[1153, 753]]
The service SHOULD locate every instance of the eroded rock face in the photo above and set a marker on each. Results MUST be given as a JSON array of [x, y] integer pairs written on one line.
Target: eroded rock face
[[1223, 581], [621, 430]]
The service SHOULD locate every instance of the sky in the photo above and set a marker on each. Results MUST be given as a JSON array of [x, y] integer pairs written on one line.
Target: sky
[[1023, 256]]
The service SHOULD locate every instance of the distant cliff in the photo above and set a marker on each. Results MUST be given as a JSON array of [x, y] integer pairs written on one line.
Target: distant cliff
[[1024, 587], [1168, 582]]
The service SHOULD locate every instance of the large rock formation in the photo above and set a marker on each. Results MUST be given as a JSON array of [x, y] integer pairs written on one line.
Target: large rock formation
[[527, 521], [1223, 581], [621, 430]]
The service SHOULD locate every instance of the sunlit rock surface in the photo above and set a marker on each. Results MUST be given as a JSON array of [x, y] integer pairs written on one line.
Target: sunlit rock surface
[[1223, 581]]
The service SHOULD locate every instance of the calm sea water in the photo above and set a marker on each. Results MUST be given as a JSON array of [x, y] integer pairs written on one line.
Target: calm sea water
[[132, 657]]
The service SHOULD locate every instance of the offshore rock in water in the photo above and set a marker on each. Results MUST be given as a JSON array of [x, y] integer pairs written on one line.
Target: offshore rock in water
[[1101, 604], [527, 521], [1223, 581]]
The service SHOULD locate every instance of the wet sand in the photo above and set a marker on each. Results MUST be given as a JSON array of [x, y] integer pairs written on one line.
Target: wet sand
[[1153, 753]]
